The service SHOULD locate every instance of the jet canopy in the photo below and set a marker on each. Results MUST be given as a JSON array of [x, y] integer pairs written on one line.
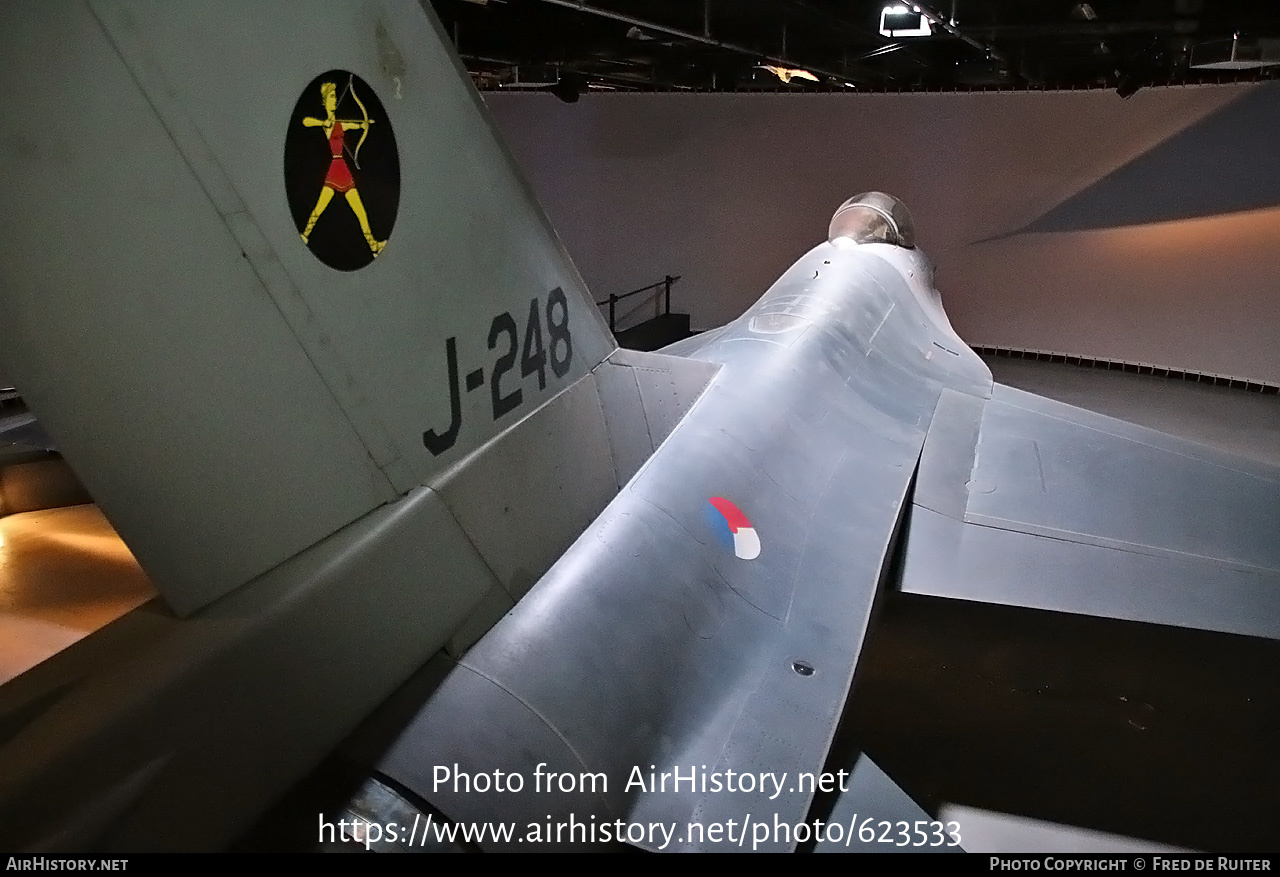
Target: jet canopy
[[873, 218]]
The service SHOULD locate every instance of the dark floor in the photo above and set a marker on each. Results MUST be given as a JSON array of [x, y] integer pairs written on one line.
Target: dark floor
[[1156, 733]]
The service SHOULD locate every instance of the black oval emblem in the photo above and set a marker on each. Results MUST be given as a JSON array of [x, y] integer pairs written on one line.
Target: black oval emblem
[[342, 171]]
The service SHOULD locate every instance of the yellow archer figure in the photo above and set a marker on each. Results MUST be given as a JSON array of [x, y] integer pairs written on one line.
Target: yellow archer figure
[[339, 178]]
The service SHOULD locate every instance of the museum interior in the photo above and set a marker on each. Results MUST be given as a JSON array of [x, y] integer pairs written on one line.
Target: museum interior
[[1097, 188]]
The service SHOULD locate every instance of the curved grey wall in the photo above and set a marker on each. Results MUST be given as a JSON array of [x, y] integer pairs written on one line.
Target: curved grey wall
[[1073, 221]]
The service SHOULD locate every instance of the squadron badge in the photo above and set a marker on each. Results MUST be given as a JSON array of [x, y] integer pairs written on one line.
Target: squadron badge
[[342, 171]]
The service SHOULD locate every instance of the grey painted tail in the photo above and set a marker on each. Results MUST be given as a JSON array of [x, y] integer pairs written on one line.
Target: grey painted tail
[[267, 267]]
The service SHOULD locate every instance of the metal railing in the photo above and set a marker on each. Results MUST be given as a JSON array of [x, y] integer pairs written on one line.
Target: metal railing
[[664, 284]]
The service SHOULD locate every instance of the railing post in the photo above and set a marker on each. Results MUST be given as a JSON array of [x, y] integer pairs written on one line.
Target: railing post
[[668, 282], [613, 302]]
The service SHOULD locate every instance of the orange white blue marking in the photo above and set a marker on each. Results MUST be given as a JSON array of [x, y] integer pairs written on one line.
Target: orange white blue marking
[[733, 528]]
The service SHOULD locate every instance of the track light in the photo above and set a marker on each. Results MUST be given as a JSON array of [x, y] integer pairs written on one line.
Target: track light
[[899, 20]]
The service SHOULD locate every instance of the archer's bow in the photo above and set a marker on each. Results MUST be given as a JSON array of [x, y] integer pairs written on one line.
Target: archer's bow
[[367, 122], [355, 156]]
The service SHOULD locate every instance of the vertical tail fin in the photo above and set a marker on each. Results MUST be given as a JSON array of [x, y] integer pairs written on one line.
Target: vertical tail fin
[[266, 268]]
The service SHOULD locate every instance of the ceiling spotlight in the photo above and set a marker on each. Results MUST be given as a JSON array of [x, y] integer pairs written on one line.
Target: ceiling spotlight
[[786, 74], [570, 87], [904, 21]]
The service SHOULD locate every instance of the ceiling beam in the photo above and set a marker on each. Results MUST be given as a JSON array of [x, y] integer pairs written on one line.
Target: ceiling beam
[[706, 40]]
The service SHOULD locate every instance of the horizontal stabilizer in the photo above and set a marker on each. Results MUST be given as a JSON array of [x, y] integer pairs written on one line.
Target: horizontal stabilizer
[[1029, 502], [986, 832], [871, 812]]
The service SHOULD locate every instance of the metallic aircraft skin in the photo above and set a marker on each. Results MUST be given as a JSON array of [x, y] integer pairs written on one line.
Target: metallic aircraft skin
[[337, 477], [649, 642]]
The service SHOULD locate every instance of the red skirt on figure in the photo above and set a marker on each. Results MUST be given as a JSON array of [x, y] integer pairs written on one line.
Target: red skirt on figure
[[339, 177]]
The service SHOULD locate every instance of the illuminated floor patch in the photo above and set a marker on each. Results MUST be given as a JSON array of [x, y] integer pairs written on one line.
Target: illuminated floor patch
[[64, 573]]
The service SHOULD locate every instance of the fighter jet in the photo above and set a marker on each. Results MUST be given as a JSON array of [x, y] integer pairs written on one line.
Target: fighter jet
[[277, 293]]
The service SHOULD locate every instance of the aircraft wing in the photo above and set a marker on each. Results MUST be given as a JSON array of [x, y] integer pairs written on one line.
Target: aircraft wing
[[1030, 502]]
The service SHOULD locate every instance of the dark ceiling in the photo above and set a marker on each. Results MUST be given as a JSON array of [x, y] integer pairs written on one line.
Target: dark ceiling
[[568, 46]]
